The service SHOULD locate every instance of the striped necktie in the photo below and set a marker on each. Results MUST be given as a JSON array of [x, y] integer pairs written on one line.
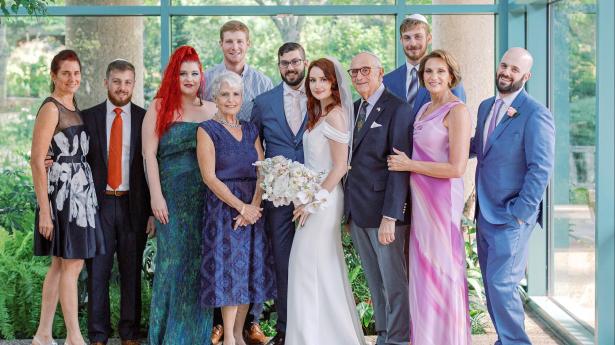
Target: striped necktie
[[412, 87]]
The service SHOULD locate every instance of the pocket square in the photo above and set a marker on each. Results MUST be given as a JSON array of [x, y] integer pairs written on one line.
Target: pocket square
[[375, 125]]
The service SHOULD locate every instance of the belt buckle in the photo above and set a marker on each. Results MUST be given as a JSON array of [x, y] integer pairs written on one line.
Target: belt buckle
[[115, 193]]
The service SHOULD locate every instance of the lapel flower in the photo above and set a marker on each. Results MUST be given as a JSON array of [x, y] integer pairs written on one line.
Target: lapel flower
[[511, 112]]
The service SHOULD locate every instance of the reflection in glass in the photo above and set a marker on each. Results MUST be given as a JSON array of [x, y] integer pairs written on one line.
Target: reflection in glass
[[573, 104]]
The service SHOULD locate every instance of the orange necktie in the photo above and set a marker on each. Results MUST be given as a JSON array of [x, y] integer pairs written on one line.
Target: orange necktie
[[114, 177]]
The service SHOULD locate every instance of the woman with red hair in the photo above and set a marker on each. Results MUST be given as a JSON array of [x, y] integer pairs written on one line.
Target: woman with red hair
[[169, 151]]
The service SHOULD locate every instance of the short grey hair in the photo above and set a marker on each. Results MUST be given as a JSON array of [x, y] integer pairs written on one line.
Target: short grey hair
[[231, 78]]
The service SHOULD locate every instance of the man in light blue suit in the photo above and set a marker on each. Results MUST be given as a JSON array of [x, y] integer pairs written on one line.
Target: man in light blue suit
[[415, 37], [280, 116], [514, 145]]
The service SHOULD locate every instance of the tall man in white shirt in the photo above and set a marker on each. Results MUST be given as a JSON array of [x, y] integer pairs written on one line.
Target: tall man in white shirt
[[117, 169]]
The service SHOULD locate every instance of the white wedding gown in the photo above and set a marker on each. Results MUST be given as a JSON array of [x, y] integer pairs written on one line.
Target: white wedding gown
[[321, 308]]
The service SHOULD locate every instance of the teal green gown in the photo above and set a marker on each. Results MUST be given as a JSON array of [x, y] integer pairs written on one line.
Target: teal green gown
[[176, 317]]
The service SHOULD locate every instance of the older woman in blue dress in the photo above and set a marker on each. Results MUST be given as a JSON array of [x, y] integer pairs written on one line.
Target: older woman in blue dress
[[237, 264]]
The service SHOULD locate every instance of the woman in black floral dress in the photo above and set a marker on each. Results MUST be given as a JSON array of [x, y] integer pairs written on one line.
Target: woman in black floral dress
[[67, 227]]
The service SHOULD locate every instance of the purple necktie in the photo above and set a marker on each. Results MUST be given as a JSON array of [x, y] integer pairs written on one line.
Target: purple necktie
[[494, 118]]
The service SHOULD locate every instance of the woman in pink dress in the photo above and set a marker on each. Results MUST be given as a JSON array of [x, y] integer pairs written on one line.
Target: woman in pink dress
[[441, 141]]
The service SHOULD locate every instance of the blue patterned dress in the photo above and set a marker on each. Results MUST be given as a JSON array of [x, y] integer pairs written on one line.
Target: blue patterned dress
[[237, 265], [176, 318]]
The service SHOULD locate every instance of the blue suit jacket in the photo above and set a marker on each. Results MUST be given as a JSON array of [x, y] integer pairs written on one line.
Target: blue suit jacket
[[371, 190], [516, 162], [395, 81], [275, 133]]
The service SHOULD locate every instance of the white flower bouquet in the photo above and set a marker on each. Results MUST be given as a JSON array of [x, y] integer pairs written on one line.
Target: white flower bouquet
[[285, 181]]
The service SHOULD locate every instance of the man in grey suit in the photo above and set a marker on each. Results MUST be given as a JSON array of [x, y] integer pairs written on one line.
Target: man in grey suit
[[375, 198], [279, 115]]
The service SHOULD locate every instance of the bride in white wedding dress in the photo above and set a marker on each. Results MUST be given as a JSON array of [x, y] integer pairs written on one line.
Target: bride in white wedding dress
[[321, 307]]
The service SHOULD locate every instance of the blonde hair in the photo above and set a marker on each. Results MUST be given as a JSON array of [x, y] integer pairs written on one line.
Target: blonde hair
[[410, 23], [449, 60]]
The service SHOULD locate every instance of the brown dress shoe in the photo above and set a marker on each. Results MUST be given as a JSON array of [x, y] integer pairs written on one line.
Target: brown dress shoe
[[130, 342], [279, 339], [254, 335], [216, 334]]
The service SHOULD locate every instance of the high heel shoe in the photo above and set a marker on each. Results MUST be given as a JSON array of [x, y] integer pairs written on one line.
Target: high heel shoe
[[39, 342]]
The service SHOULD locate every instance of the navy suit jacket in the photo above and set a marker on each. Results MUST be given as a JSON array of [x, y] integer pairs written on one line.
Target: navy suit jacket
[[275, 133], [371, 190], [95, 120], [515, 164], [395, 81]]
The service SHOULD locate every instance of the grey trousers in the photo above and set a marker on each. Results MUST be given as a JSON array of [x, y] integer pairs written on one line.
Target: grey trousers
[[385, 269]]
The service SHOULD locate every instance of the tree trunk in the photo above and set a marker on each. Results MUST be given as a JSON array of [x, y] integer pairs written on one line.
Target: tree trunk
[[4, 56], [457, 34], [100, 40]]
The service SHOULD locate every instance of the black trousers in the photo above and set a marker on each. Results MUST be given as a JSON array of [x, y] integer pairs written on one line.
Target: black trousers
[[120, 239]]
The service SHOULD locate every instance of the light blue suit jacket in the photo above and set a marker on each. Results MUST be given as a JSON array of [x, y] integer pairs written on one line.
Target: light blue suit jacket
[[395, 81], [269, 117], [516, 162]]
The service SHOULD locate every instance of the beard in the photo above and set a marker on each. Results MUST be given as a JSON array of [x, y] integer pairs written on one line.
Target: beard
[[300, 75], [415, 55], [118, 102], [514, 86]]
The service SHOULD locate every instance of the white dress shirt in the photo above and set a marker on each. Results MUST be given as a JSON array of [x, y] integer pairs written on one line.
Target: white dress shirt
[[291, 98], [125, 185], [372, 100], [508, 99]]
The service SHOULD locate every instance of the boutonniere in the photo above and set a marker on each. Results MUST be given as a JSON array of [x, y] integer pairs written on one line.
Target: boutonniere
[[511, 112]]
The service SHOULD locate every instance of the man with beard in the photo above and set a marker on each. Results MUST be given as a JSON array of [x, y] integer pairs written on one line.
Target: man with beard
[[415, 37], [123, 196], [234, 43], [514, 146], [280, 116]]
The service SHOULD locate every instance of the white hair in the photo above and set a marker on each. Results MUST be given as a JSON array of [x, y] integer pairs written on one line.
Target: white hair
[[230, 78]]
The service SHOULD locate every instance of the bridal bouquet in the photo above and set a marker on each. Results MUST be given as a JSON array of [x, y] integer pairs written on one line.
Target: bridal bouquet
[[285, 181]]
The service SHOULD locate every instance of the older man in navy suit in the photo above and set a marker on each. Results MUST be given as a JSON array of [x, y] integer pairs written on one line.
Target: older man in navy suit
[[415, 37], [279, 114], [514, 145], [375, 198]]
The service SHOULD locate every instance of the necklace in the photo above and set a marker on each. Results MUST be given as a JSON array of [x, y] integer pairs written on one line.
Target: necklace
[[226, 123]]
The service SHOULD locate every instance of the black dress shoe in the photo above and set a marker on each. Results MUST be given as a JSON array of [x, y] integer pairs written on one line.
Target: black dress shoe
[[279, 339]]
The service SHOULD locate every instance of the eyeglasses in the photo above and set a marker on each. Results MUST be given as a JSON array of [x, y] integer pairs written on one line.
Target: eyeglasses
[[293, 62], [365, 71]]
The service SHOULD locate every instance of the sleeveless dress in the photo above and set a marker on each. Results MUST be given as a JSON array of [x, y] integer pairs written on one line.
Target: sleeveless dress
[[437, 269], [321, 305], [237, 265], [77, 233], [176, 318]]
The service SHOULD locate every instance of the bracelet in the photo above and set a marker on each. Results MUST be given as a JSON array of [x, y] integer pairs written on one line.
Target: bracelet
[[243, 208]]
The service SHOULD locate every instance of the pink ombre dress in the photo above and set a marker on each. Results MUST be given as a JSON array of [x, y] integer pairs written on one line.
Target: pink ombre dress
[[438, 287]]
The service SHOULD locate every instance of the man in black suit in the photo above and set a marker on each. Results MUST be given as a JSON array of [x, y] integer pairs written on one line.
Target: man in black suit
[[123, 197], [375, 198]]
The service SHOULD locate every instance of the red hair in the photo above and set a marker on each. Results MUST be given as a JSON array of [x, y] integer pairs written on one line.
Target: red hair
[[313, 105], [169, 92]]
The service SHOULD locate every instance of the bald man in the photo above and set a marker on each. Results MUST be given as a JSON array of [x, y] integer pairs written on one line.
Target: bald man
[[375, 199], [514, 145]]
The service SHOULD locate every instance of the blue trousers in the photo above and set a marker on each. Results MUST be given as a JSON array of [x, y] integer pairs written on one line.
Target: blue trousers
[[502, 254]]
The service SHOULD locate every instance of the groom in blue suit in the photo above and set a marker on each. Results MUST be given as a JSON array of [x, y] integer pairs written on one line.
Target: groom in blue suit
[[279, 114], [514, 145], [415, 37]]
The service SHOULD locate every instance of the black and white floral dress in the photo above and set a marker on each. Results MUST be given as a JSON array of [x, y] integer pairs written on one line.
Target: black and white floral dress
[[77, 232]]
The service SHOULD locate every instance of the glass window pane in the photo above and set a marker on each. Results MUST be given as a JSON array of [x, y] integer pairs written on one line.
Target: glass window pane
[[105, 3], [28, 45], [573, 61], [346, 36], [282, 3]]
